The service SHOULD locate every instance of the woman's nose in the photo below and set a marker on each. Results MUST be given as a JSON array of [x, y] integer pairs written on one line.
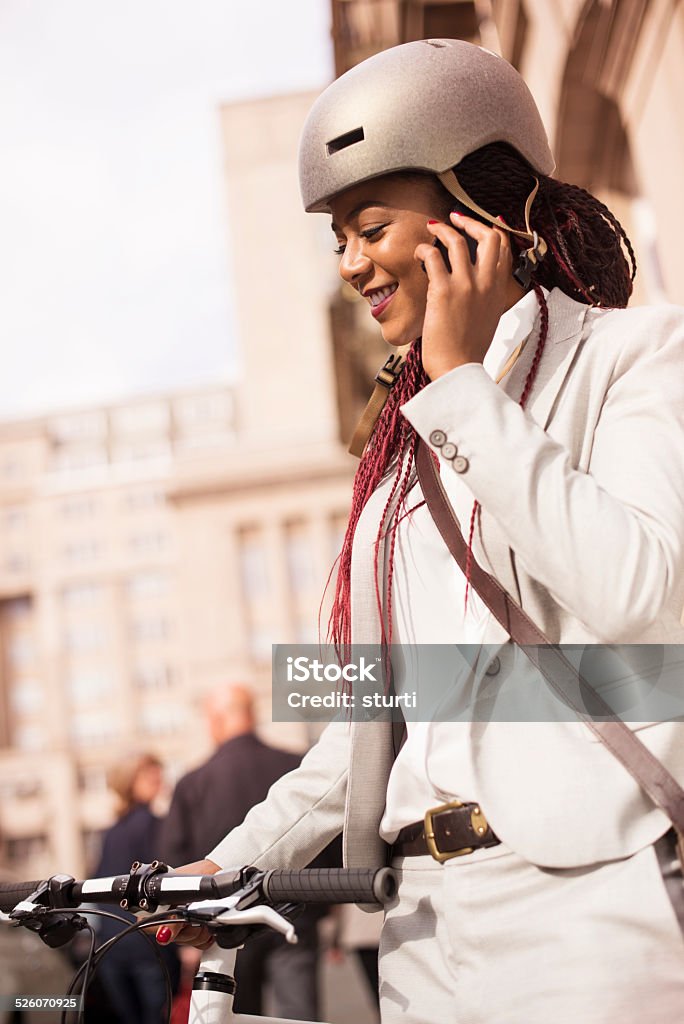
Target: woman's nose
[[354, 264]]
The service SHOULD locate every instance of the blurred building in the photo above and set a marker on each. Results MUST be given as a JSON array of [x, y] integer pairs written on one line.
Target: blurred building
[[156, 548]]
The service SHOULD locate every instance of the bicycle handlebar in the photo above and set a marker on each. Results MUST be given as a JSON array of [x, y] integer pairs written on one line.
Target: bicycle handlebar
[[12, 893], [316, 885]]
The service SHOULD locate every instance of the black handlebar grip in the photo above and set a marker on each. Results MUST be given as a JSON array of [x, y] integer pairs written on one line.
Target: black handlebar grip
[[331, 885], [12, 893]]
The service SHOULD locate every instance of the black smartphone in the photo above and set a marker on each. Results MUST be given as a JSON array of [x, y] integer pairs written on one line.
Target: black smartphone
[[458, 207]]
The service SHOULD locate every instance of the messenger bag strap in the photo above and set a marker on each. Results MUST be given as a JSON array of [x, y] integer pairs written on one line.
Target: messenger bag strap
[[563, 677]]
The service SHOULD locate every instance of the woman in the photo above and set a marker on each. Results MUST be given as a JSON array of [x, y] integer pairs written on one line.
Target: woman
[[557, 417], [130, 972]]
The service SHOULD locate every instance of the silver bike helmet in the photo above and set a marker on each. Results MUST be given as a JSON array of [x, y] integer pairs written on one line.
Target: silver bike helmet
[[419, 106]]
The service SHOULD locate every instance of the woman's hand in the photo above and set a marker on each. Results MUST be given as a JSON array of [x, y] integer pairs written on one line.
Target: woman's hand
[[188, 934], [464, 306]]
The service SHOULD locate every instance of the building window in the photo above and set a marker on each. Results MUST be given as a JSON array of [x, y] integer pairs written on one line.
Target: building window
[[145, 418], [28, 736], [80, 457], [20, 789], [163, 719], [15, 517], [85, 637], [92, 778], [26, 696], [148, 584], [84, 426], [300, 561], [153, 676], [91, 727], [260, 643], [25, 848], [88, 685], [141, 449], [144, 499], [78, 508], [153, 628], [82, 551], [82, 595], [150, 543], [17, 562], [21, 651], [253, 564], [205, 417]]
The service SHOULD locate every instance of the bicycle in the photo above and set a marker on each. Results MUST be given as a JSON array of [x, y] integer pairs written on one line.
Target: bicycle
[[233, 905]]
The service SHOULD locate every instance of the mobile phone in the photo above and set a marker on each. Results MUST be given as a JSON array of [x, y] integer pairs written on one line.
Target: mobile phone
[[458, 207]]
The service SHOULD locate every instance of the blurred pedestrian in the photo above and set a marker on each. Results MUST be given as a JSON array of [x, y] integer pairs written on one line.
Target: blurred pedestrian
[[131, 974], [210, 801]]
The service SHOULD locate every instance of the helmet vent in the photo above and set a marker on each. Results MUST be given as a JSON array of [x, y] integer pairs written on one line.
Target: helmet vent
[[343, 141]]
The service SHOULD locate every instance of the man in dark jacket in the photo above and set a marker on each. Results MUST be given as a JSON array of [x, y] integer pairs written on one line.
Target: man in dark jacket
[[210, 801]]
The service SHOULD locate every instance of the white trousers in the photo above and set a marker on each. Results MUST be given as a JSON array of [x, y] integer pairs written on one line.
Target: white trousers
[[491, 939]]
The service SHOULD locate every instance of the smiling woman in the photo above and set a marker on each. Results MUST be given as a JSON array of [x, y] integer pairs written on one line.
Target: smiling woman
[[556, 419]]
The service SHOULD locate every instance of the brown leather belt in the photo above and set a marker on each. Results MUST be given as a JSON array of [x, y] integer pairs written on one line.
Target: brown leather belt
[[450, 830]]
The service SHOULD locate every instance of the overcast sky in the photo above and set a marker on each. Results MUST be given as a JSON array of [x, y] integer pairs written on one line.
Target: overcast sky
[[114, 267]]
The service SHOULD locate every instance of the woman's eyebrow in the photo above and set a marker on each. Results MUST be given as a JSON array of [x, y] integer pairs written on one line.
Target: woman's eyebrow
[[358, 209]]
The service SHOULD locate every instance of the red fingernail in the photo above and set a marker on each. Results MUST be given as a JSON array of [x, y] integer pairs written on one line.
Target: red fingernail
[[164, 935], [433, 222], [502, 220], [455, 213]]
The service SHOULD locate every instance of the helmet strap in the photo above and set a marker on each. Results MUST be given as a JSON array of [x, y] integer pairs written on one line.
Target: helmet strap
[[530, 257]]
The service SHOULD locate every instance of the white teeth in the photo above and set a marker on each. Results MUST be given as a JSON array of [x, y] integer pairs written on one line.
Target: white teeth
[[381, 294]]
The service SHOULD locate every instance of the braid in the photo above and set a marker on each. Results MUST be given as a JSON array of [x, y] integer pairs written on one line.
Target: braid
[[386, 448], [585, 259]]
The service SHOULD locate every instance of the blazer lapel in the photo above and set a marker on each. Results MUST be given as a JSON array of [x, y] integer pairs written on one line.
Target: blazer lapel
[[566, 322]]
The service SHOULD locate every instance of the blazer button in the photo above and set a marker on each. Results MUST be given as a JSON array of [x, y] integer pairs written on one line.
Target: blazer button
[[449, 450], [460, 464], [437, 437], [494, 667]]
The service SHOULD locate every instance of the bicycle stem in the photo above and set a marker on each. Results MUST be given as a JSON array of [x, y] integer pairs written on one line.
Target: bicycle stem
[[213, 987]]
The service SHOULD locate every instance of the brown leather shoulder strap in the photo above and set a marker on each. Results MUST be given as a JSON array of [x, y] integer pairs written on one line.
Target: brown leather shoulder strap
[[562, 676]]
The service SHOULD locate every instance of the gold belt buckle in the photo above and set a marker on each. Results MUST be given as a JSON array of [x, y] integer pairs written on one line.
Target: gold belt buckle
[[478, 820]]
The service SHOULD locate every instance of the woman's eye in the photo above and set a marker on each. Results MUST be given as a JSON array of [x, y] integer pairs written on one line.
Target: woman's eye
[[369, 233]]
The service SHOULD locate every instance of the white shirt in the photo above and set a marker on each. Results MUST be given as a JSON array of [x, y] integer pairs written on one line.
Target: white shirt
[[428, 592]]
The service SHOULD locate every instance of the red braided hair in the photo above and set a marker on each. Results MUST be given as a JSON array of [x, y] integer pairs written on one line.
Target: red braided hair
[[585, 259]]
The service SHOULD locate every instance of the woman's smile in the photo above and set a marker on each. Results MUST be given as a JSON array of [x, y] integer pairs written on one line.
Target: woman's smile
[[380, 298]]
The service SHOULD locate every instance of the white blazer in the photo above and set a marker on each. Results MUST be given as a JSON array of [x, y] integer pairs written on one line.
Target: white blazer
[[582, 521]]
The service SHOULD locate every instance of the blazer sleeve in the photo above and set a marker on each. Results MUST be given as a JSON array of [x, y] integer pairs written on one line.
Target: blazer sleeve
[[607, 544], [303, 812]]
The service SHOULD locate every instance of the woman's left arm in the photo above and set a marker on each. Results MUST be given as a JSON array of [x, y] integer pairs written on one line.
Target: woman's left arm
[[608, 544]]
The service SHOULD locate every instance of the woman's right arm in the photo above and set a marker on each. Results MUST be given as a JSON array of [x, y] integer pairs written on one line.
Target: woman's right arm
[[301, 814]]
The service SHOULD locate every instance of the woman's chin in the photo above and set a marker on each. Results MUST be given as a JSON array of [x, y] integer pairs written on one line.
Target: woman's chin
[[393, 335]]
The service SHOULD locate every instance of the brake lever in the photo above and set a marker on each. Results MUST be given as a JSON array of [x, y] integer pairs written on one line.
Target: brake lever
[[217, 914]]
